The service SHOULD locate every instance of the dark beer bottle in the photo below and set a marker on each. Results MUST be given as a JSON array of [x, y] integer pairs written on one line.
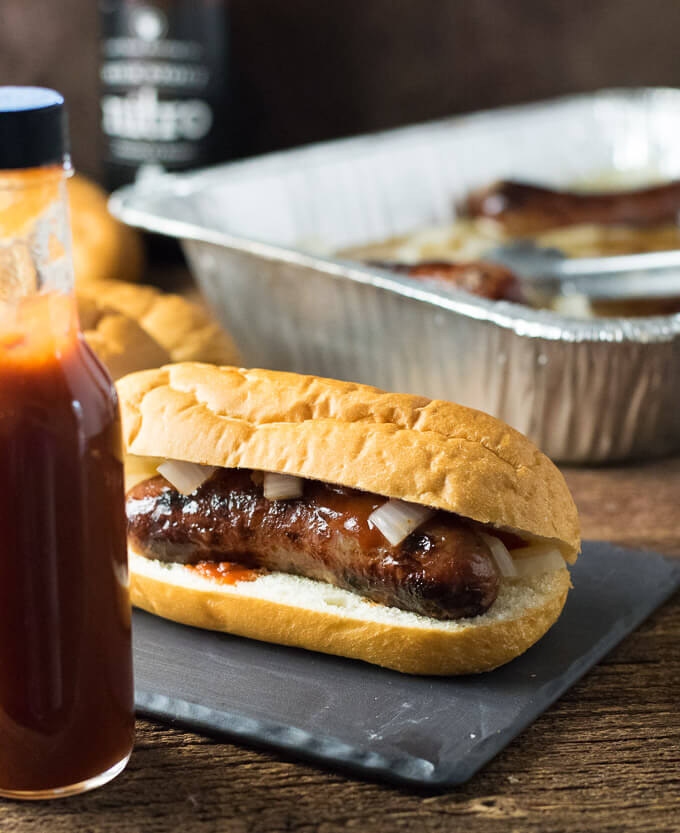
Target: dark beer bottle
[[163, 81]]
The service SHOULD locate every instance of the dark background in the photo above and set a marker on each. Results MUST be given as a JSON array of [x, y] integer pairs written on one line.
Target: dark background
[[312, 69]]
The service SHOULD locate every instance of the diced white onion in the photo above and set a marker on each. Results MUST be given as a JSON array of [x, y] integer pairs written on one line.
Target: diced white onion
[[537, 559], [185, 477], [397, 519], [504, 562], [281, 486]]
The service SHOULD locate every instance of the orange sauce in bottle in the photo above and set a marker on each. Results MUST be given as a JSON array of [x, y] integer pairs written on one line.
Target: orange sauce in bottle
[[66, 695]]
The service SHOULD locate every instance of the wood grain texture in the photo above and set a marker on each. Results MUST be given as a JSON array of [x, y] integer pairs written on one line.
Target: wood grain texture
[[605, 758]]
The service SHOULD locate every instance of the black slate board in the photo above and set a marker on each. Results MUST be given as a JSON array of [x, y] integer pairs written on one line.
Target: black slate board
[[428, 731]]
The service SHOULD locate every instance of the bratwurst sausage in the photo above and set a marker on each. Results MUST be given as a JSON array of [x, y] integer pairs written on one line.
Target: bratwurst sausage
[[444, 569], [525, 209]]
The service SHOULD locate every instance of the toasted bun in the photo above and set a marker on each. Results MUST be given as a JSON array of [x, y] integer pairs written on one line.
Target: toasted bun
[[119, 342], [184, 330], [420, 450], [103, 247], [289, 610]]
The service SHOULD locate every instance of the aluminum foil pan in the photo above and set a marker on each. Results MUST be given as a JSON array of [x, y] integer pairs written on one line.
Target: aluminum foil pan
[[258, 235]]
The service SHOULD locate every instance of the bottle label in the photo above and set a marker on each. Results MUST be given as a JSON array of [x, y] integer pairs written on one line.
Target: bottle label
[[163, 82]]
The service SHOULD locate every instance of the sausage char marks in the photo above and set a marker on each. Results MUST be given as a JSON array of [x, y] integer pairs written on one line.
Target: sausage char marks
[[444, 569]]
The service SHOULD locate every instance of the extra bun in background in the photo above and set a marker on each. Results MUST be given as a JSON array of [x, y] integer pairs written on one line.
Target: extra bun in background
[[133, 327], [103, 247], [183, 329], [119, 341], [407, 447]]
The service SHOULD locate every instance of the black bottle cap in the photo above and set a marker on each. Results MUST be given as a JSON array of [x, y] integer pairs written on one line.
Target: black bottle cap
[[33, 128]]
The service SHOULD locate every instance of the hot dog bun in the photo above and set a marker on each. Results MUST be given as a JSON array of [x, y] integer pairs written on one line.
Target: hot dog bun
[[421, 450], [184, 330], [139, 327], [119, 341], [400, 446], [289, 610]]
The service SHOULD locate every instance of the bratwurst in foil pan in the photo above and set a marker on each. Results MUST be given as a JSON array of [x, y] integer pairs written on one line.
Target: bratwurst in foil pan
[[577, 223]]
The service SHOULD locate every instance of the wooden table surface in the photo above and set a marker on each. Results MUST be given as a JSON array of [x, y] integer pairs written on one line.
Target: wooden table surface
[[606, 757]]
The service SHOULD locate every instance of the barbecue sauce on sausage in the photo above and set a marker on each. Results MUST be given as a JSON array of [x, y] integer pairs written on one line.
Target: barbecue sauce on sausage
[[225, 572]]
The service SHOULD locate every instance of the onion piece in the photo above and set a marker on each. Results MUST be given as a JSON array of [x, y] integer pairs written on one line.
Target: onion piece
[[501, 555], [281, 486], [185, 477], [536, 559], [397, 519]]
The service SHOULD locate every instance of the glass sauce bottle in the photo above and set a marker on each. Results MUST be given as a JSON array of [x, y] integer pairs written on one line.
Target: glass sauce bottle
[[66, 701]]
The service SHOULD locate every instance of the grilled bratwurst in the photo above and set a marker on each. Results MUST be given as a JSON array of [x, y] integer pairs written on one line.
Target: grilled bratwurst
[[444, 569], [525, 209]]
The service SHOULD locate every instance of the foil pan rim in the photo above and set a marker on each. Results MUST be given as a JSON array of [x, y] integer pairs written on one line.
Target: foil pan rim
[[133, 205], [524, 321]]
